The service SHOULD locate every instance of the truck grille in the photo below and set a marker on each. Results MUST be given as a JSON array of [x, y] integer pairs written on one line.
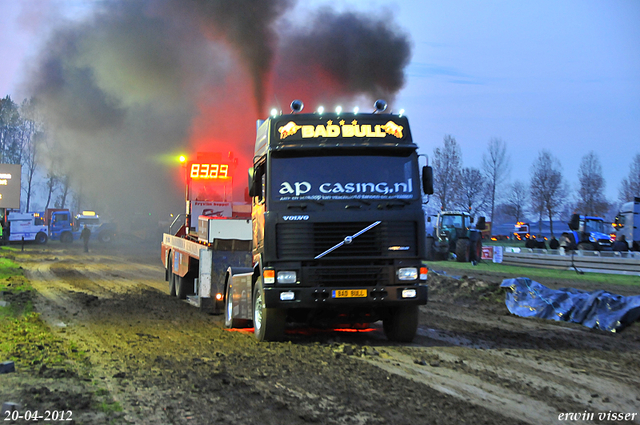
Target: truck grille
[[348, 276], [304, 241]]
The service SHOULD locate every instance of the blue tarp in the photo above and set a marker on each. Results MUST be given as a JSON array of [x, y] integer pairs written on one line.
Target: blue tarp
[[596, 309]]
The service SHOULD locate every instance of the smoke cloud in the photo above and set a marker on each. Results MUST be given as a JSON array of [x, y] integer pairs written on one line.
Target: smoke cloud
[[342, 56], [137, 83]]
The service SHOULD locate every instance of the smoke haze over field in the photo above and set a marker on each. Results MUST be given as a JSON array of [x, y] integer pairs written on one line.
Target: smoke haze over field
[[136, 83]]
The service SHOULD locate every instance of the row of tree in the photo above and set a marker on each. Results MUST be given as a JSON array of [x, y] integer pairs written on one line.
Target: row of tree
[[23, 140], [483, 191], [546, 195]]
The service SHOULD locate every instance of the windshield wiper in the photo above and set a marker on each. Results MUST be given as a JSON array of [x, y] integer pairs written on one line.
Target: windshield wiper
[[301, 206], [348, 240], [400, 203]]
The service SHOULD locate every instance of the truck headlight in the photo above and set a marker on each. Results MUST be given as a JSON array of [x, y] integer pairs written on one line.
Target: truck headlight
[[287, 277], [408, 273]]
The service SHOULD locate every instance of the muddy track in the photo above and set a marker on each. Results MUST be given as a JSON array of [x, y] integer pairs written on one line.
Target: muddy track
[[166, 362]]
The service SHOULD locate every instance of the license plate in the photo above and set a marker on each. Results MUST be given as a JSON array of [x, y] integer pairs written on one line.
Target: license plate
[[349, 293]]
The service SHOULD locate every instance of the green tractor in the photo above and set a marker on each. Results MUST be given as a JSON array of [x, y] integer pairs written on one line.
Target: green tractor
[[453, 233]]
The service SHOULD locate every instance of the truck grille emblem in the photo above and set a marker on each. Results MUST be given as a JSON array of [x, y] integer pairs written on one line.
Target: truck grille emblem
[[348, 240]]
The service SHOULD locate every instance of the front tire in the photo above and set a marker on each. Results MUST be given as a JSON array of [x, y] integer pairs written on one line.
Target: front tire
[[268, 323], [172, 278], [478, 250], [41, 238], [184, 286], [66, 237], [104, 237], [463, 249], [401, 324], [440, 256], [586, 246]]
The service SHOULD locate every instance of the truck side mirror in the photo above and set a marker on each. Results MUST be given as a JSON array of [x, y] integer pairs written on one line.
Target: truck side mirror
[[427, 180], [252, 183], [482, 223], [574, 223]]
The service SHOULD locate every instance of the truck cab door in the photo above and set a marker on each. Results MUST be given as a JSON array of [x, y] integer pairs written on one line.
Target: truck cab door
[[258, 207], [60, 222]]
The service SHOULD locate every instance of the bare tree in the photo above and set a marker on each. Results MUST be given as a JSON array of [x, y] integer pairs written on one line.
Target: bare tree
[[495, 164], [516, 200], [61, 202], [591, 199], [630, 186], [51, 185], [472, 196], [10, 147], [548, 189], [447, 162], [30, 139]]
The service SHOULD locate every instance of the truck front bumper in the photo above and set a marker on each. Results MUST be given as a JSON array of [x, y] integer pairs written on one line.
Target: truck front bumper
[[319, 297]]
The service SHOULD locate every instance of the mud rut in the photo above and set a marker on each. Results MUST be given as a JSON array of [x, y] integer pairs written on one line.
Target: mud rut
[[167, 363]]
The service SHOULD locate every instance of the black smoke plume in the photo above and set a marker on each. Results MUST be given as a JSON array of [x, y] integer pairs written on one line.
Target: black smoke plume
[[130, 87], [352, 53]]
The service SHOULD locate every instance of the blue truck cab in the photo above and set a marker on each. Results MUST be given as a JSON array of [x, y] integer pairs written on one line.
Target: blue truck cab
[[104, 232], [66, 228], [587, 233], [61, 227]]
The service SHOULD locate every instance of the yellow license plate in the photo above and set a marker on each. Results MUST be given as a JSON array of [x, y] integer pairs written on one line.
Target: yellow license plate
[[349, 293]]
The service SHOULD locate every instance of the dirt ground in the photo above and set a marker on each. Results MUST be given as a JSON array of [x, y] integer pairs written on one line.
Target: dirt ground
[[152, 359]]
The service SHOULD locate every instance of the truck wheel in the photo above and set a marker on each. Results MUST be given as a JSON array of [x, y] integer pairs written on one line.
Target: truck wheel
[[586, 246], [230, 321], [41, 238], [477, 251], [184, 286], [104, 237], [401, 324], [268, 323], [439, 256], [172, 279], [463, 249], [66, 237], [430, 249]]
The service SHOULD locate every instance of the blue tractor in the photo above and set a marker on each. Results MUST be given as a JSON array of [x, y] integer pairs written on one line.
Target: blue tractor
[[587, 233]]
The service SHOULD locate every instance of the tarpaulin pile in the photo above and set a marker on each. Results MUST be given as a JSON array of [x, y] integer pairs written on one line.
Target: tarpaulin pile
[[596, 309]]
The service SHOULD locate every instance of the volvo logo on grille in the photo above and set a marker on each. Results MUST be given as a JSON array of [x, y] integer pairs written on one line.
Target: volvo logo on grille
[[295, 217], [348, 240]]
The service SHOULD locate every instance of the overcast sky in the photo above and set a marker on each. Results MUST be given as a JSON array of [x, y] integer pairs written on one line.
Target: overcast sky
[[557, 75]]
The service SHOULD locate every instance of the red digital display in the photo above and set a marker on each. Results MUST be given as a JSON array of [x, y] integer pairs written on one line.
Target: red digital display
[[209, 171]]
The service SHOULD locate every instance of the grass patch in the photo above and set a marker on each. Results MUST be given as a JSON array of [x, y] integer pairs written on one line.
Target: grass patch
[[26, 338], [532, 272], [8, 269], [110, 407]]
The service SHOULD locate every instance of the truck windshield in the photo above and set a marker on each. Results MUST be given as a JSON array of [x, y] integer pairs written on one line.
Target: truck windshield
[[93, 221], [344, 177], [594, 226], [452, 221]]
